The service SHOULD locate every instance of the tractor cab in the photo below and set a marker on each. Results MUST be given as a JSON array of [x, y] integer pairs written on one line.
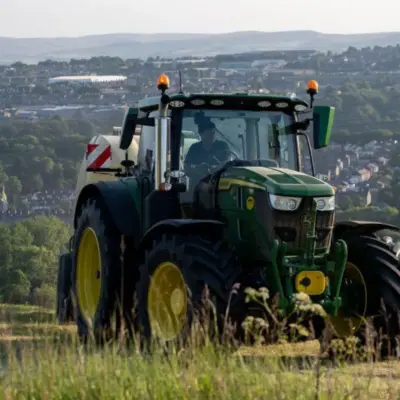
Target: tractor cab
[[187, 140]]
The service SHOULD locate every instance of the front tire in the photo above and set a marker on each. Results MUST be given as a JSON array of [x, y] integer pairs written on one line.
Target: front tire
[[171, 288], [96, 273]]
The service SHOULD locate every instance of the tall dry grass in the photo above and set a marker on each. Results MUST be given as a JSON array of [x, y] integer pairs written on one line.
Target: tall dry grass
[[52, 364]]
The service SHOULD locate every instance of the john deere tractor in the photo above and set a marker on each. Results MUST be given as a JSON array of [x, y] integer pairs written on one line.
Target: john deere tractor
[[155, 228]]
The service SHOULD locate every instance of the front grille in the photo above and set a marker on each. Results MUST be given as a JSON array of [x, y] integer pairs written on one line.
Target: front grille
[[289, 226]]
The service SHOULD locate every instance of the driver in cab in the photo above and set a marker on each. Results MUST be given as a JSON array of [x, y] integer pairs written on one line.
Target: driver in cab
[[208, 151]]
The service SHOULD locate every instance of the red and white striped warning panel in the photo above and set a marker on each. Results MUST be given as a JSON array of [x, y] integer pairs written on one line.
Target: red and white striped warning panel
[[98, 156]]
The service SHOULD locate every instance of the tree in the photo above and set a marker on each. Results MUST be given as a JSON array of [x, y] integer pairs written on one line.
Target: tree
[[37, 183], [29, 258], [391, 211], [45, 296], [40, 90], [14, 186], [3, 175], [344, 202], [17, 288]]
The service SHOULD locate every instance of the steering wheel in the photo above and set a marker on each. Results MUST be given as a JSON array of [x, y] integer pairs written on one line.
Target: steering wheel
[[218, 163], [206, 168]]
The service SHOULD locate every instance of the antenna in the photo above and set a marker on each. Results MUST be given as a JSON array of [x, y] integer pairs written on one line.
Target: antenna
[[180, 81]]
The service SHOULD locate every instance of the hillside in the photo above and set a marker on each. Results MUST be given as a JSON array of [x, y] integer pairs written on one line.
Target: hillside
[[178, 45]]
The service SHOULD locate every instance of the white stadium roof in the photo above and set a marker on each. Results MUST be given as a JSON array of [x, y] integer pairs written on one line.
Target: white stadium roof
[[87, 79]]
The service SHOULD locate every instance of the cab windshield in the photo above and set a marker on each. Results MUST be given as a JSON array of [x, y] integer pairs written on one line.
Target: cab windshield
[[263, 137]]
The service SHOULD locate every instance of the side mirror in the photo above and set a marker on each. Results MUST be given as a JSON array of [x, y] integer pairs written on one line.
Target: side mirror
[[322, 125], [128, 128]]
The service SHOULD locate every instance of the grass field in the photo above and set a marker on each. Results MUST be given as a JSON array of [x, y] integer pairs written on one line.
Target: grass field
[[38, 362]]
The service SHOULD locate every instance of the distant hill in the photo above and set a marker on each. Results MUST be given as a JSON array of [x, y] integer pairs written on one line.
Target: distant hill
[[178, 45]]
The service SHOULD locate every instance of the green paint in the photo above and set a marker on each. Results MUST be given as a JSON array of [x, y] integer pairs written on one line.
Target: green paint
[[340, 255], [281, 181], [283, 297], [310, 223], [323, 117], [293, 265], [132, 183]]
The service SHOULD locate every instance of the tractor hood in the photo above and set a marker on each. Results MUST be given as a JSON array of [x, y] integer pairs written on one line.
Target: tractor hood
[[280, 181]]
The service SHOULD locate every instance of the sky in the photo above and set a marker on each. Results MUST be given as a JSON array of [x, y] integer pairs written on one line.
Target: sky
[[55, 18]]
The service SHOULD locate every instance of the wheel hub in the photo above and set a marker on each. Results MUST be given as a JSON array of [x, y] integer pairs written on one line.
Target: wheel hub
[[177, 301], [167, 302]]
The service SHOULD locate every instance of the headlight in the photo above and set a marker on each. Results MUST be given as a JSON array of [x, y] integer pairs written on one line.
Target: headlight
[[284, 203], [325, 203]]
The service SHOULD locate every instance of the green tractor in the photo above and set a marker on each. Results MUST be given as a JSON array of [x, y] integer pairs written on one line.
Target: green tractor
[[152, 230]]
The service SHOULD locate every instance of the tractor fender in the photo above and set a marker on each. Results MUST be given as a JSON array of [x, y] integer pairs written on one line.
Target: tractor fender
[[343, 228], [119, 200], [211, 229]]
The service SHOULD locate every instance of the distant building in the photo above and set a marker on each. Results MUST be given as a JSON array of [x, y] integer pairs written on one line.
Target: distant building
[[64, 111], [383, 161], [373, 167], [268, 64], [25, 114], [87, 79], [347, 162], [3, 201], [236, 65]]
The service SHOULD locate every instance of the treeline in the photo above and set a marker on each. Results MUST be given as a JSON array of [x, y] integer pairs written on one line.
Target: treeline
[[287, 55], [119, 65], [367, 59], [29, 258], [42, 155], [365, 111]]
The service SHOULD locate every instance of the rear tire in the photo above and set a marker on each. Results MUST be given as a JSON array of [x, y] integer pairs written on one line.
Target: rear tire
[[380, 271], [64, 310], [96, 302], [200, 262]]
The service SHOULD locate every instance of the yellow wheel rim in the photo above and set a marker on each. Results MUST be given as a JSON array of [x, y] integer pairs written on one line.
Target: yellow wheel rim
[[343, 325], [88, 273], [167, 302]]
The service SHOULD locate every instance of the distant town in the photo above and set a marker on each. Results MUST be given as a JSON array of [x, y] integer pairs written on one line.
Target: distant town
[[100, 88], [101, 85]]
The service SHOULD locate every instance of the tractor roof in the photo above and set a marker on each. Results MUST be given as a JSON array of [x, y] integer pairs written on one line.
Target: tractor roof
[[241, 101]]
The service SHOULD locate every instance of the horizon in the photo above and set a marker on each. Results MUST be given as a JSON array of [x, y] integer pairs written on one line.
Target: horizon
[[199, 33]]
